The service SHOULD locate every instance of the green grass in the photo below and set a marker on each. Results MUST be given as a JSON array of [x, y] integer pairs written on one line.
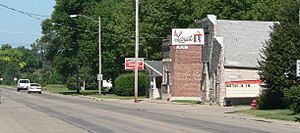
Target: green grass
[[92, 93], [113, 96], [280, 114], [186, 101]]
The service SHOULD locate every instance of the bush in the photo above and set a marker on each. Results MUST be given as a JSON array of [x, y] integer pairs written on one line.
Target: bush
[[125, 84], [270, 99], [292, 98], [72, 83]]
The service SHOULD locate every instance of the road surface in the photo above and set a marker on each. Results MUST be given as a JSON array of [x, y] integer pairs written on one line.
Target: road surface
[[52, 113]]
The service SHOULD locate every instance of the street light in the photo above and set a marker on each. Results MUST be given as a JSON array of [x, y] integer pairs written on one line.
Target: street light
[[99, 76]]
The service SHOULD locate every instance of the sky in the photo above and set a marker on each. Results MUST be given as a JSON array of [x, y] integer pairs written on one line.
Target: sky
[[18, 29]]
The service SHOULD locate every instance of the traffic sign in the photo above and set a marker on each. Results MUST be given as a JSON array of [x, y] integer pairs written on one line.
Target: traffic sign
[[298, 68], [99, 77]]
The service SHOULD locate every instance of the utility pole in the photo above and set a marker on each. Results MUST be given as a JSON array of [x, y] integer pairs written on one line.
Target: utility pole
[[136, 50], [100, 58]]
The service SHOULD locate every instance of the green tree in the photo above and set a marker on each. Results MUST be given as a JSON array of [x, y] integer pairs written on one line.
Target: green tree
[[241, 9], [70, 42], [277, 68], [11, 63], [157, 18], [292, 98], [73, 43]]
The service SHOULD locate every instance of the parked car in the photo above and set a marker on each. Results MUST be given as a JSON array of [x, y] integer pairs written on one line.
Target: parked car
[[35, 87], [23, 84]]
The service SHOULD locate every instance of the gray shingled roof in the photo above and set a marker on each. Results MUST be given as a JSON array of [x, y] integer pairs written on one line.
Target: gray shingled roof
[[243, 41], [156, 66]]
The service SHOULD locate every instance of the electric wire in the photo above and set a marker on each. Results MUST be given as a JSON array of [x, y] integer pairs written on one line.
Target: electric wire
[[43, 17], [32, 15]]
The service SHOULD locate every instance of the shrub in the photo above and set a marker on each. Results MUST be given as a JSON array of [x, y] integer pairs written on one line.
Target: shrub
[[270, 99], [125, 84], [72, 83], [292, 98]]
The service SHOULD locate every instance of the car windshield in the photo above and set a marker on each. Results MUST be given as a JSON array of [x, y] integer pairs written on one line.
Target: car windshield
[[24, 81], [34, 84]]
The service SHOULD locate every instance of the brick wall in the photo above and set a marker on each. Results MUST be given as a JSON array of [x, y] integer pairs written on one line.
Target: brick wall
[[186, 71]]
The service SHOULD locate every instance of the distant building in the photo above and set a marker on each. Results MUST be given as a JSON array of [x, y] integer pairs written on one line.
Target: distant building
[[231, 53]]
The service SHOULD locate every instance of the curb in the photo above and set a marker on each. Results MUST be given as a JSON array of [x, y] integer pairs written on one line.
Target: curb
[[253, 118]]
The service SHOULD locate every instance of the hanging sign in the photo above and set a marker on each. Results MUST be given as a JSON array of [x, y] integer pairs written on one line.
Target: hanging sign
[[187, 37]]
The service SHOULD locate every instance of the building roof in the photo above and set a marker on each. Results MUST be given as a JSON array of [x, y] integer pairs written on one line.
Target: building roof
[[243, 41], [156, 66]]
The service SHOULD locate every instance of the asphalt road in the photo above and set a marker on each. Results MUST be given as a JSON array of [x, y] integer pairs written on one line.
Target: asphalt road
[[51, 113]]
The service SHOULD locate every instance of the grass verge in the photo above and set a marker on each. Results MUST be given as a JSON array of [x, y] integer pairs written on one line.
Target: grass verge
[[92, 93], [280, 114], [187, 101]]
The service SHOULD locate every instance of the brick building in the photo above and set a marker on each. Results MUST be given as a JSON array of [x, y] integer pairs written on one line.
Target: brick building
[[231, 53], [182, 72]]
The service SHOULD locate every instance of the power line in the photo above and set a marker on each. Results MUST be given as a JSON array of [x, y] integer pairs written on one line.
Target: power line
[[32, 15], [73, 28], [107, 34], [40, 17]]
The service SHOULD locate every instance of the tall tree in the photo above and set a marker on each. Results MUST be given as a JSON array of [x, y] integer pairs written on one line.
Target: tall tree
[[241, 9], [157, 18], [278, 66], [70, 44], [11, 63]]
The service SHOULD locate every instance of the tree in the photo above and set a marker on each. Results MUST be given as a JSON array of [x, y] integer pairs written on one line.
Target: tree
[[277, 69], [73, 43], [157, 18], [241, 9], [11, 63], [70, 44]]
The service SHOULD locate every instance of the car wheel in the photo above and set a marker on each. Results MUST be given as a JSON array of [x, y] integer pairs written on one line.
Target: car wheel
[[28, 92], [40, 92], [18, 89]]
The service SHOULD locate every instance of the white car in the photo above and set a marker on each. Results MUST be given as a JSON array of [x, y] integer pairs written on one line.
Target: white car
[[35, 87], [23, 84]]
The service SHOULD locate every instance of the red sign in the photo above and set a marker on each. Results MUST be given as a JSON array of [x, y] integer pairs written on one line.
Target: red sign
[[130, 63]]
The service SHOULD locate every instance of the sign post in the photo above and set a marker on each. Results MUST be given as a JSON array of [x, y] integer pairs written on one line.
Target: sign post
[[298, 68]]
